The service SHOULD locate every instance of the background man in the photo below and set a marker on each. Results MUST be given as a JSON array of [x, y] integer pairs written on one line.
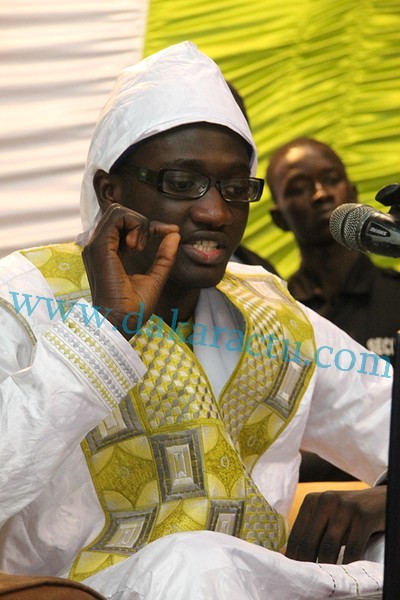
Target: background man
[[308, 180]]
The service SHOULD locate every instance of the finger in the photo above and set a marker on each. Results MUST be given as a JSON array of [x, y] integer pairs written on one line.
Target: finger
[[155, 228], [165, 258], [299, 541], [117, 223], [319, 530], [364, 511], [332, 541], [357, 541], [160, 228], [133, 230]]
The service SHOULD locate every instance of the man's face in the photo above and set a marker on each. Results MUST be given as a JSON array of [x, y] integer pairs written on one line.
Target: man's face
[[309, 183], [210, 227]]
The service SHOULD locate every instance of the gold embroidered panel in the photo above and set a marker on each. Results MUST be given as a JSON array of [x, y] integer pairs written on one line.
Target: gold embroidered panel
[[171, 457], [163, 462], [276, 365]]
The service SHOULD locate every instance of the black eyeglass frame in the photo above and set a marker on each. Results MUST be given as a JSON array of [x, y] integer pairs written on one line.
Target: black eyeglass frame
[[156, 178]]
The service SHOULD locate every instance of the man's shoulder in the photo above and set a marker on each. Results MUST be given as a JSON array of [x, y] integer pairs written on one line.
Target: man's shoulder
[[388, 273], [60, 265], [384, 280], [256, 278], [301, 286], [241, 270], [13, 267], [55, 260], [36, 254]]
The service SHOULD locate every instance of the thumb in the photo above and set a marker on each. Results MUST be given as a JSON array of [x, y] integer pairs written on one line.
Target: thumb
[[165, 258]]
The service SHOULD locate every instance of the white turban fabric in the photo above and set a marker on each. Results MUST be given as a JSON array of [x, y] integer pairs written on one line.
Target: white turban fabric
[[173, 87]]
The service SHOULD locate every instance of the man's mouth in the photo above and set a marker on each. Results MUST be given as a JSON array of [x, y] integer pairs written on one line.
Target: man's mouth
[[208, 252], [205, 245]]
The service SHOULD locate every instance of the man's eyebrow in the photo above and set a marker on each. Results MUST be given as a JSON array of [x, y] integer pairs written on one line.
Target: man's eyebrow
[[299, 174], [295, 175], [190, 163], [200, 166]]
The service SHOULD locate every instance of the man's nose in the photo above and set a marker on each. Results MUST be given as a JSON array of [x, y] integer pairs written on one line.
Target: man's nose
[[320, 191], [212, 209]]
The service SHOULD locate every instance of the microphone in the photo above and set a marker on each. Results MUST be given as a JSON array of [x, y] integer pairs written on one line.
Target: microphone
[[361, 227]]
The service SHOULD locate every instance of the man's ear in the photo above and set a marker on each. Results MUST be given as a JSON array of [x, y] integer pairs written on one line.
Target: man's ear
[[353, 192], [278, 218], [107, 189]]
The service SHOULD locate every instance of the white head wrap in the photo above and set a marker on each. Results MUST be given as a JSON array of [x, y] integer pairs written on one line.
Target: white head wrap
[[176, 86]]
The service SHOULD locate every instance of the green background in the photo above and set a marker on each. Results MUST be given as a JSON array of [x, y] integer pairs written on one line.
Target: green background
[[328, 69]]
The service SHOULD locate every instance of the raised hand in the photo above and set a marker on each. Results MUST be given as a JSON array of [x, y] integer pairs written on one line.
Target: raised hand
[[329, 520], [116, 293]]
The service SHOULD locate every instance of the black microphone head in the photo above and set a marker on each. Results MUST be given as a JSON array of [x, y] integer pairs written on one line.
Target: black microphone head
[[389, 195], [346, 222]]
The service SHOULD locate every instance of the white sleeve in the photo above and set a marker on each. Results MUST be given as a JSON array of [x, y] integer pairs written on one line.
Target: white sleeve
[[349, 418], [57, 381]]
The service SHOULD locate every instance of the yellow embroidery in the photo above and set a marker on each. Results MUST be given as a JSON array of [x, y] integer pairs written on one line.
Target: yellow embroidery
[[89, 373], [263, 393], [171, 457], [99, 351], [62, 266]]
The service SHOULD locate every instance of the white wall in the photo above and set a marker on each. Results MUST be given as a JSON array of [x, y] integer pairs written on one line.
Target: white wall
[[58, 61]]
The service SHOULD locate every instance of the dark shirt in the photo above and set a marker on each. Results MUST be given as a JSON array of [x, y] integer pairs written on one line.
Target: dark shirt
[[367, 308]]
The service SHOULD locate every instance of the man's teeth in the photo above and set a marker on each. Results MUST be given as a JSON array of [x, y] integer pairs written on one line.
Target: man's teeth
[[205, 245]]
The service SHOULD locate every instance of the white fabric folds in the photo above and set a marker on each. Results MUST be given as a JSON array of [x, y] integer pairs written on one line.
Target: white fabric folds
[[213, 566]]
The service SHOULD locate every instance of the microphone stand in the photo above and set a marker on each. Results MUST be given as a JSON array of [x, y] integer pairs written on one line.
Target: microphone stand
[[390, 196], [391, 578]]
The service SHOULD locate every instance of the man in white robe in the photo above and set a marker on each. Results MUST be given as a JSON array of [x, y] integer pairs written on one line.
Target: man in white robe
[[65, 367]]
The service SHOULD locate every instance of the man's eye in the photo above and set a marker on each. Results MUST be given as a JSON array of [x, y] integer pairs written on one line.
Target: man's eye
[[179, 183], [298, 190], [236, 190], [332, 179]]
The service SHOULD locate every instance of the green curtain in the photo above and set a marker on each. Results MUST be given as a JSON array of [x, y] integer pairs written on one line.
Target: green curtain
[[328, 69]]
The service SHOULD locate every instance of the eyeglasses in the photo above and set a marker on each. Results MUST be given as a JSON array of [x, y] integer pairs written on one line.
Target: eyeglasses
[[187, 185]]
